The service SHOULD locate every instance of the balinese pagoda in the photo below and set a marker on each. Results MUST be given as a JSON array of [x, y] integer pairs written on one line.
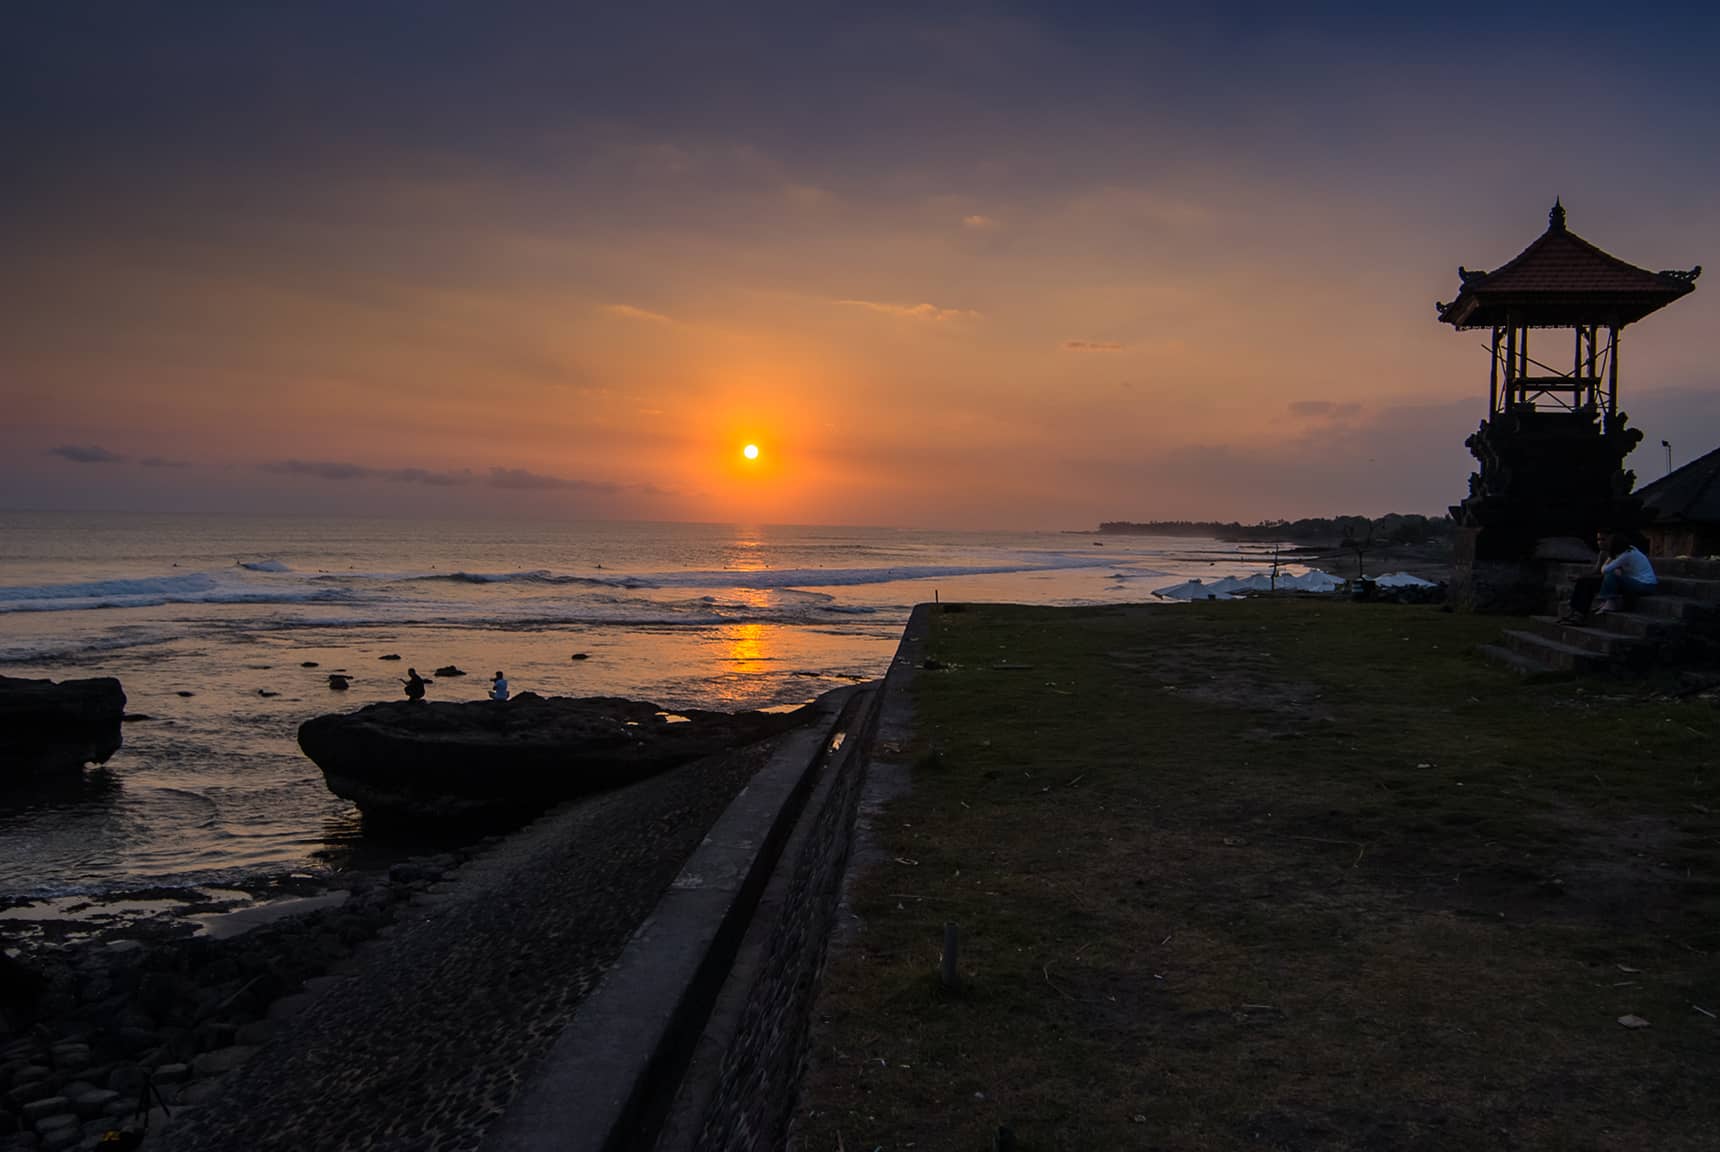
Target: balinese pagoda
[[1553, 445]]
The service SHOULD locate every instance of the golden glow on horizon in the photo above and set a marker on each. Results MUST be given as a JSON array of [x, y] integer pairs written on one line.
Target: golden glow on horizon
[[750, 451]]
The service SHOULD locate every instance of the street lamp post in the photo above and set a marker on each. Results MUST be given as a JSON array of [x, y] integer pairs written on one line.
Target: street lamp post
[[1667, 444]]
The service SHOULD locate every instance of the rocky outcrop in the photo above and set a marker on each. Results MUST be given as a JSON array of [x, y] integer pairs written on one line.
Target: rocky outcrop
[[445, 762], [48, 729]]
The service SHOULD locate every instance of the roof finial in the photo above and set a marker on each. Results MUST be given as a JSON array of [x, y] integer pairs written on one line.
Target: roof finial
[[1556, 218]]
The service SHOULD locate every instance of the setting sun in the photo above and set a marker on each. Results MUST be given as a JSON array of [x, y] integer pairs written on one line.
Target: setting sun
[[750, 451]]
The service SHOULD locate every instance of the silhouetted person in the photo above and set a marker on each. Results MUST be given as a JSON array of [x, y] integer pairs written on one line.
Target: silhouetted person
[[499, 687], [1619, 569], [414, 685]]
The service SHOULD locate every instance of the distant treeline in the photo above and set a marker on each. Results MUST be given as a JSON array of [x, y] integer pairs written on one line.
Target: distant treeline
[[1389, 529]]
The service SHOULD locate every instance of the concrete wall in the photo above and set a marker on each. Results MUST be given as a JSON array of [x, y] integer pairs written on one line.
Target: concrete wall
[[761, 1070]]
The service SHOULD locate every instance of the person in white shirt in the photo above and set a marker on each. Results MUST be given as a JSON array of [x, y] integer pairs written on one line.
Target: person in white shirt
[[499, 687], [1627, 572]]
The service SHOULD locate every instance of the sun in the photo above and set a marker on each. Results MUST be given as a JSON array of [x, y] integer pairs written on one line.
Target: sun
[[750, 451]]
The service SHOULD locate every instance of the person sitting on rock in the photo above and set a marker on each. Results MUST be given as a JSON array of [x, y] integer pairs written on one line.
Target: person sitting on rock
[[499, 687], [414, 685]]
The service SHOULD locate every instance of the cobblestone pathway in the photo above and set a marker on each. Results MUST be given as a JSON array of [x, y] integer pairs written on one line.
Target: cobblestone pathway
[[425, 1043]]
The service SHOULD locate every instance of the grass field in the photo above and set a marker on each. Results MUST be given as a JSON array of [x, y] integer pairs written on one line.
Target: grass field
[[1287, 874]]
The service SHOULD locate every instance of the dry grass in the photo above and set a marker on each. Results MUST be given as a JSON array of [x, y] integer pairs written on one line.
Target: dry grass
[[1290, 874]]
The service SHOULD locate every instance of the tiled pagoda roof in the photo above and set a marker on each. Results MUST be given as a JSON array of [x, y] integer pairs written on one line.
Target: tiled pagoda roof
[[1561, 281]]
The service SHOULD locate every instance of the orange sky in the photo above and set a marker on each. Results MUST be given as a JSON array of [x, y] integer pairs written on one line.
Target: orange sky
[[1089, 310]]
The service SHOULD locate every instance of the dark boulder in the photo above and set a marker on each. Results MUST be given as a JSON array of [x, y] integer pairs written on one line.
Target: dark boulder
[[48, 728], [448, 670], [441, 762]]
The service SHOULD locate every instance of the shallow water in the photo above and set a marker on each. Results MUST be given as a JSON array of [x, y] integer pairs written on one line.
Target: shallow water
[[200, 617]]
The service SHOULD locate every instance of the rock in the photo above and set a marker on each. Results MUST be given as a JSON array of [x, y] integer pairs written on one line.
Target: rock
[[171, 1074], [91, 1104], [21, 988], [200, 1092], [582, 655], [48, 728], [256, 1033], [308, 664], [222, 1060], [136, 1039], [458, 761], [185, 694], [288, 1006], [134, 717], [71, 1056], [266, 694], [37, 1110], [128, 1079], [390, 656], [339, 683], [448, 670], [61, 1136]]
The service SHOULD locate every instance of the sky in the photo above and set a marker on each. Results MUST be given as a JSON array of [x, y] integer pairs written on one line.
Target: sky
[[966, 266]]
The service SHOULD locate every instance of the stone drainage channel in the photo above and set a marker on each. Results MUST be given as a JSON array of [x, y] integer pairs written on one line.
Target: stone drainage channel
[[696, 1035]]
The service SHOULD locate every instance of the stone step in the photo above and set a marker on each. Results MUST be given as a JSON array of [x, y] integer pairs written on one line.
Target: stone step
[[1691, 588], [1685, 566], [1634, 624], [1601, 641], [1552, 655], [1665, 607], [1515, 661]]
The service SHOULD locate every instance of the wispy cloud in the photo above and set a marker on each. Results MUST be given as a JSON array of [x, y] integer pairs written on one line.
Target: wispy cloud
[[345, 470], [628, 312], [514, 479], [85, 454], [978, 223], [1091, 346], [163, 462], [929, 312], [520, 478], [1324, 409]]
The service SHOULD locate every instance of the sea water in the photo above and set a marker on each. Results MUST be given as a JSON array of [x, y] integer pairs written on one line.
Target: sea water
[[224, 631]]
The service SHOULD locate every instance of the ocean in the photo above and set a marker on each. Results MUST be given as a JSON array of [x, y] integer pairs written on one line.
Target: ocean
[[223, 632]]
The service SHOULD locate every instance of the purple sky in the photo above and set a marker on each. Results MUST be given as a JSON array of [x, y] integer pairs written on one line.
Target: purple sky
[[1004, 266]]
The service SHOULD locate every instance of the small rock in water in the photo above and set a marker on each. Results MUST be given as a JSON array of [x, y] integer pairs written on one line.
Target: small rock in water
[[134, 717], [390, 656], [264, 692], [338, 682], [186, 694], [1633, 1021], [449, 670], [308, 664], [582, 655]]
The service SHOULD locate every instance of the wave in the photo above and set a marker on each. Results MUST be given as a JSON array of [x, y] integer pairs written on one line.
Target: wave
[[264, 566], [765, 578], [95, 589]]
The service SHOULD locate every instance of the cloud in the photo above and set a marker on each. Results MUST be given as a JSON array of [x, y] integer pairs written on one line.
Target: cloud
[[85, 454], [163, 462], [916, 311], [978, 223], [1091, 346], [520, 478], [512, 479], [1324, 409], [628, 312], [343, 470]]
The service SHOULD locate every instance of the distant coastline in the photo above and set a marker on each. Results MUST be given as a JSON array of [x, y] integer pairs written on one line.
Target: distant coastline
[[1393, 528]]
